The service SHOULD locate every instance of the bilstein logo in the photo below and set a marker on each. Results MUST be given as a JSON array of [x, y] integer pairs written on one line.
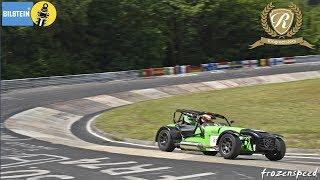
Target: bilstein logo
[[26, 14], [285, 23]]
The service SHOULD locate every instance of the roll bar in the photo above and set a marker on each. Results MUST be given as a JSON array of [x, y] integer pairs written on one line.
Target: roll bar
[[196, 114]]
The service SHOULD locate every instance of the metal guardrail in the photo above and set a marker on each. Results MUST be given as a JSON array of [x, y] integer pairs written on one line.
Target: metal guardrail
[[7, 85], [305, 59]]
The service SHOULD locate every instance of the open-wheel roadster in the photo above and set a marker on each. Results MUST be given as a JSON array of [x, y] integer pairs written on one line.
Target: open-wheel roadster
[[190, 132]]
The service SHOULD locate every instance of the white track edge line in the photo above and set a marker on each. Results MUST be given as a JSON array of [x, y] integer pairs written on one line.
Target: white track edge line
[[296, 157], [303, 154], [303, 157], [89, 129]]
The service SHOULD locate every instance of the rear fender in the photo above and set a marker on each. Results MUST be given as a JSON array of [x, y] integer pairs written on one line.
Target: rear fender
[[174, 132]]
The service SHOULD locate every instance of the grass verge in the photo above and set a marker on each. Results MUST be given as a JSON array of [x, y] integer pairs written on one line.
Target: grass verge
[[291, 109]]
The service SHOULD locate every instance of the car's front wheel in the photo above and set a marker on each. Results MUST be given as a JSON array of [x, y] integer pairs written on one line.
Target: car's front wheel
[[229, 146], [165, 141], [279, 153]]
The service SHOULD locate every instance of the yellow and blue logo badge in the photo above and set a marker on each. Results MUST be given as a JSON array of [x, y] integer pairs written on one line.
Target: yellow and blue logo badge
[[26, 14], [43, 13]]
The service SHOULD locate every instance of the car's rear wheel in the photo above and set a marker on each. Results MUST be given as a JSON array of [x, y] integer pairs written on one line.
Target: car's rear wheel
[[165, 141], [210, 153], [229, 146], [279, 153]]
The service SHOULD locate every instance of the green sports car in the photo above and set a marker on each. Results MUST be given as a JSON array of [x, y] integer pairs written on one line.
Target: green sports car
[[211, 133]]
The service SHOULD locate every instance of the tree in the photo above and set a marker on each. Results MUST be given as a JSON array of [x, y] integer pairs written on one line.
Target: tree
[[97, 36]]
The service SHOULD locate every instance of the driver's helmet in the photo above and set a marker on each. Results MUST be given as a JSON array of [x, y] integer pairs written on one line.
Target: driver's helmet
[[206, 118]]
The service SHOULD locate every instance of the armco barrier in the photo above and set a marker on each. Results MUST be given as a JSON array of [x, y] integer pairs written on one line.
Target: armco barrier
[[177, 70], [158, 71], [7, 85], [206, 67], [245, 63], [305, 59], [250, 63], [192, 69], [141, 73], [168, 70], [254, 63], [275, 61], [289, 60], [272, 62], [279, 61], [209, 66], [263, 62], [236, 64], [148, 72], [183, 69], [223, 65], [110, 76]]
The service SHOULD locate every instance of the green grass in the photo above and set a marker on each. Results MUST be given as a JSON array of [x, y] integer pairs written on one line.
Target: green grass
[[291, 109]]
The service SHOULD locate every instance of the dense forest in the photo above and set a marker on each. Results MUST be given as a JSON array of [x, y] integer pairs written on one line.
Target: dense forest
[[98, 36]]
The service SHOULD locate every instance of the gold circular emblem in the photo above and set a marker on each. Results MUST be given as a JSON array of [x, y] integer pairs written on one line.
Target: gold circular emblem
[[292, 31]]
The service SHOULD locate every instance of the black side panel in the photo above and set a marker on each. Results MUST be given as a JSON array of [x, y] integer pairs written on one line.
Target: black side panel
[[187, 130], [176, 135]]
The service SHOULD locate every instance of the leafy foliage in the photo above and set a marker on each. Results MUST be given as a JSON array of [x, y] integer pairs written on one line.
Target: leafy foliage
[[96, 36]]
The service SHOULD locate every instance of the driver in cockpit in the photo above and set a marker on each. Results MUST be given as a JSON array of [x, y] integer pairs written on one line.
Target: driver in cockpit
[[206, 119]]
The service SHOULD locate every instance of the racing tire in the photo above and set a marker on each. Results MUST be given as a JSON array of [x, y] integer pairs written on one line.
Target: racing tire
[[165, 141], [279, 153], [229, 146], [210, 153]]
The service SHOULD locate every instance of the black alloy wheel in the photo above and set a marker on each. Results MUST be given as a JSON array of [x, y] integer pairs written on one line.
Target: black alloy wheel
[[229, 146], [165, 141]]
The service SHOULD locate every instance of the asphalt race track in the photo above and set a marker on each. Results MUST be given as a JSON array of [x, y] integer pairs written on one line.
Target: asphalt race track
[[23, 157]]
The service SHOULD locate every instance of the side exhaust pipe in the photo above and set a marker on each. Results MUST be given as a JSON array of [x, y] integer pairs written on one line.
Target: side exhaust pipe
[[190, 146]]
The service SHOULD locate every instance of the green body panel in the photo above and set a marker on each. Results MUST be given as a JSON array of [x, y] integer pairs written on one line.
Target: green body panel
[[197, 138], [206, 137], [246, 144], [211, 134]]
